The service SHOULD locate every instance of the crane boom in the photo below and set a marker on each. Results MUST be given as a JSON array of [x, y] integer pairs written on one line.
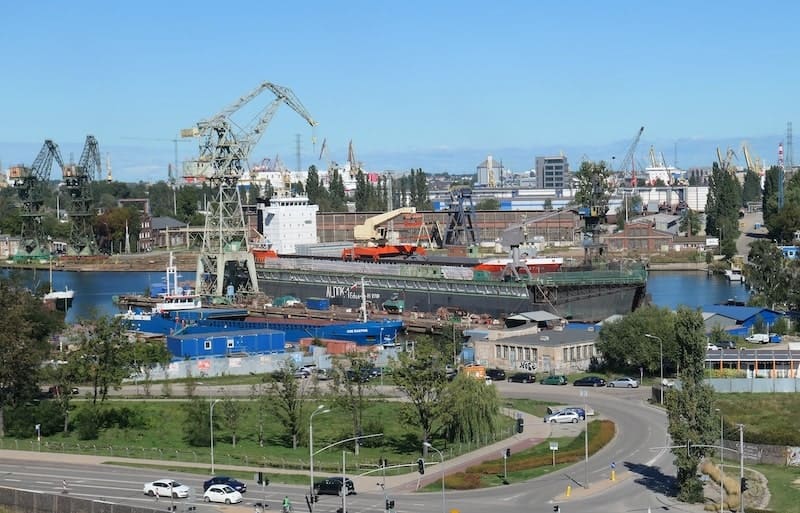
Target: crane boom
[[628, 159], [368, 230], [225, 262]]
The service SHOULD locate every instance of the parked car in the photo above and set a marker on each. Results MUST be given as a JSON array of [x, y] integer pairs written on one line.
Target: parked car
[[522, 377], [554, 380], [166, 488], [496, 374], [563, 417], [712, 347], [726, 344], [333, 486], [225, 480], [302, 373], [623, 382], [222, 493], [758, 338], [589, 381]]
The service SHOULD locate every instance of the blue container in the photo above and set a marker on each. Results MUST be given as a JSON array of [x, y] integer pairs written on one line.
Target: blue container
[[223, 343], [318, 303]]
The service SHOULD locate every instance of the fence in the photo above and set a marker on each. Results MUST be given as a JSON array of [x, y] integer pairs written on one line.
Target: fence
[[755, 385], [24, 501]]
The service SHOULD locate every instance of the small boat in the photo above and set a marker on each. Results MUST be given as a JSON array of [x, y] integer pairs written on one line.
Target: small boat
[[61, 300], [734, 274]]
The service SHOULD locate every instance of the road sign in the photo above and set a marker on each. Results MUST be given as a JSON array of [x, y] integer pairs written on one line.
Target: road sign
[[553, 446]]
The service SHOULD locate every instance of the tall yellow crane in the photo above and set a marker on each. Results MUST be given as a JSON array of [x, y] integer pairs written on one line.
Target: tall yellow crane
[[725, 163], [753, 163]]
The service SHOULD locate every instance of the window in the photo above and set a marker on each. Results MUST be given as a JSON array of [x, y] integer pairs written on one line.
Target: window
[[207, 345], [565, 354], [229, 343], [498, 352]]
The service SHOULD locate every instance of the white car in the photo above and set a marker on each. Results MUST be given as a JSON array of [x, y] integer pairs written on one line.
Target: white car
[[166, 488], [563, 417], [222, 493], [623, 382], [712, 347]]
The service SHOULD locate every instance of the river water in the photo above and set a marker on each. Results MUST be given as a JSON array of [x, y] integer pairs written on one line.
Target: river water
[[94, 290]]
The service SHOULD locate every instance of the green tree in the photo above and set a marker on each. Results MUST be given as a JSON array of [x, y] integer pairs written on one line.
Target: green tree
[[488, 204], [769, 201], [25, 328], [104, 354], [349, 390], [232, 413], [767, 275], [594, 186], [313, 187], [288, 396], [548, 205], [148, 354], [469, 410], [690, 222], [722, 209], [690, 409], [625, 348], [197, 426], [63, 376], [751, 189], [421, 378], [338, 198]]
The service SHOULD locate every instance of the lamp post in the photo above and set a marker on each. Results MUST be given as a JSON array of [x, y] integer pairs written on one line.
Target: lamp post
[[661, 364], [441, 457], [211, 428], [721, 459], [584, 394], [320, 409]]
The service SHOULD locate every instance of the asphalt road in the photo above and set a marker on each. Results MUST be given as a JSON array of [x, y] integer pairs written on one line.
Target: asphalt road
[[644, 470]]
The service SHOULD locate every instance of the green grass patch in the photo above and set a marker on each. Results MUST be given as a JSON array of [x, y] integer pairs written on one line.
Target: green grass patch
[[768, 418], [784, 487], [530, 463]]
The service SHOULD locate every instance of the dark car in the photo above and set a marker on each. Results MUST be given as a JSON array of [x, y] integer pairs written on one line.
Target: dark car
[[224, 480], [589, 381], [496, 374], [333, 486], [554, 380], [726, 344], [358, 377], [522, 377]]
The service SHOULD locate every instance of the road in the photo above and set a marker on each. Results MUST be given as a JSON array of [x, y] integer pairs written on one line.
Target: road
[[644, 472]]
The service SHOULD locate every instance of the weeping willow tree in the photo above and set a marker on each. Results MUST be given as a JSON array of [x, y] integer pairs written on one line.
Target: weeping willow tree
[[469, 410]]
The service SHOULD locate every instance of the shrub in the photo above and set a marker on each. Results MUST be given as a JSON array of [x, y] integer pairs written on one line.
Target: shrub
[[463, 481], [88, 423]]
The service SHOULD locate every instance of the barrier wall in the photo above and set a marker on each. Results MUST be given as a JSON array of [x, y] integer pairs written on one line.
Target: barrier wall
[[23, 501]]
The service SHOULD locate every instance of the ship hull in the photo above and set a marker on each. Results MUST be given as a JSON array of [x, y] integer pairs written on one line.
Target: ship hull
[[587, 296]]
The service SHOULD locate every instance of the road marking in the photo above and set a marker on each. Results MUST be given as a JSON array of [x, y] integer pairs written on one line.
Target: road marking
[[513, 497]]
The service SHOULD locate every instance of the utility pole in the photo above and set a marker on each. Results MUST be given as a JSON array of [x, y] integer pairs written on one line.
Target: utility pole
[[741, 465]]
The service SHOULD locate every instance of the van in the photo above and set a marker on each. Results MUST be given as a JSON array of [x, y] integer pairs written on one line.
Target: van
[[758, 338]]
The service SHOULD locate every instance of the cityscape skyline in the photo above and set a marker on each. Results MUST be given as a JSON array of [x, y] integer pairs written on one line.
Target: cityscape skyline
[[437, 86]]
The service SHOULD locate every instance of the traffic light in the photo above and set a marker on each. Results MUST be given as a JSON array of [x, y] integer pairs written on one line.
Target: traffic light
[[743, 484], [557, 508], [389, 505], [508, 453], [520, 425], [261, 479], [421, 466], [315, 498]]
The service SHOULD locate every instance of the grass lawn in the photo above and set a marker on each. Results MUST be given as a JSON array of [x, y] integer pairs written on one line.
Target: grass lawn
[[158, 432], [784, 487], [767, 418]]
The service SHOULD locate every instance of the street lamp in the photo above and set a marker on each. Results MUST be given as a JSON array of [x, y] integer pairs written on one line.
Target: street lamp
[[211, 426], [584, 394], [721, 459], [320, 409], [661, 363], [441, 457]]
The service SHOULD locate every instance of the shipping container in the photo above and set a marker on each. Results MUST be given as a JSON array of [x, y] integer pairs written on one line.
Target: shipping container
[[318, 303], [226, 343]]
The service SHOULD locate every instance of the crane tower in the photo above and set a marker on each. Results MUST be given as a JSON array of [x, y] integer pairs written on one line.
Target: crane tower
[[31, 184], [224, 262], [77, 181]]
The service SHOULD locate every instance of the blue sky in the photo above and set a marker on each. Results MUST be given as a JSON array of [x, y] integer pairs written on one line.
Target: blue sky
[[436, 85]]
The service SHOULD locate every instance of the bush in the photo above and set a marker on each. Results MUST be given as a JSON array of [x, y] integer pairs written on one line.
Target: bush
[[88, 423], [462, 481], [20, 421]]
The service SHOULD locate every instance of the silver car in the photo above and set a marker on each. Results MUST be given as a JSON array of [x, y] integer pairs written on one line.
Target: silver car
[[623, 383], [563, 417]]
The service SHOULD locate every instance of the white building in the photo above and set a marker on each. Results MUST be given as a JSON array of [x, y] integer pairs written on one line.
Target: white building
[[287, 222]]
